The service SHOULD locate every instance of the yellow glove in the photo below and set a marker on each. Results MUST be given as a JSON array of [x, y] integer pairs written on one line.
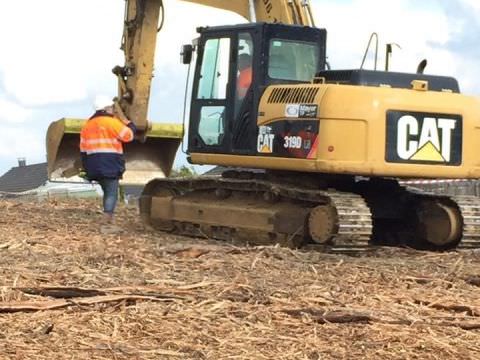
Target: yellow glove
[[83, 174]]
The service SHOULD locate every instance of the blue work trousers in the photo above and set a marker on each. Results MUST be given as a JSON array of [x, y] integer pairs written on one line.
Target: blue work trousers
[[110, 194]]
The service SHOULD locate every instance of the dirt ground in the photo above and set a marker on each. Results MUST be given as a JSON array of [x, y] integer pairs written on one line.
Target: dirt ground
[[70, 292]]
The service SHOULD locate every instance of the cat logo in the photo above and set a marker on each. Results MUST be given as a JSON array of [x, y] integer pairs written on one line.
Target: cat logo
[[424, 138], [265, 140]]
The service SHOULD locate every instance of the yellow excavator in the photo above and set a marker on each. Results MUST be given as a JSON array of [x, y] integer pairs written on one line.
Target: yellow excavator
[[313, 156]]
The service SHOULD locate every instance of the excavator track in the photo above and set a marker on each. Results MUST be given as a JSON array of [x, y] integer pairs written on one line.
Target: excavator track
[[470, 209], [354, 224], [262, 212], [254, 209]]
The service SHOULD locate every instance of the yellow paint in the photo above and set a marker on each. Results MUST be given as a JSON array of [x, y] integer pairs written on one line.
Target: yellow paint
[[265, 149], [428, 152], [347, 137]]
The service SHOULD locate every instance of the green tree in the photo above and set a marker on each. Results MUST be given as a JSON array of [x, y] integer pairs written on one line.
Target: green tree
[[184, 171]]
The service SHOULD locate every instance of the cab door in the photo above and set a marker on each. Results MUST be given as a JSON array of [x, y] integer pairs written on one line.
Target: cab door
[[210, 113]]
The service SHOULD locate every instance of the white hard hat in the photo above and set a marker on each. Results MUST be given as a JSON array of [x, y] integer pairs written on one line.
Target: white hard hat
[[101, 102]]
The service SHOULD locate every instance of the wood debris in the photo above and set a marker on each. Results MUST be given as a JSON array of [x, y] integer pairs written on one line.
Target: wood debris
[[69, 291]]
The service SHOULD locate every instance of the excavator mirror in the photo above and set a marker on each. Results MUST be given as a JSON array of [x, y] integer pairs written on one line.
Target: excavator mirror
[[186, 54]]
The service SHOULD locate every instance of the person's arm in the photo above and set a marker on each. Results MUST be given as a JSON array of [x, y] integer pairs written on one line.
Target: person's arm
[[82, 169], [125, 133], [118, 112], [120, 130]]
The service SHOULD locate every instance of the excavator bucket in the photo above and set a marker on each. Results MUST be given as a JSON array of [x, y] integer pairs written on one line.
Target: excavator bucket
[[144, 161]]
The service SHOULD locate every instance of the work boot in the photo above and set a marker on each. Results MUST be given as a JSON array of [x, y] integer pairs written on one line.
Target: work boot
[[110, 229], [108, 225], [108, 218]]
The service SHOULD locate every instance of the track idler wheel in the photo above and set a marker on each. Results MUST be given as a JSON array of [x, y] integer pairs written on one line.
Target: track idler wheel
[[439, 225], [322, 224]]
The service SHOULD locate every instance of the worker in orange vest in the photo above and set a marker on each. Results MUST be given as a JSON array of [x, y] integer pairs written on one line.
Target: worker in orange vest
[[101, 148], [244, 79]]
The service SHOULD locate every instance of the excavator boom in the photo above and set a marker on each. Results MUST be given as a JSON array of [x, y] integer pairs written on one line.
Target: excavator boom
[[139, 38], [138, 45], [294, 12]]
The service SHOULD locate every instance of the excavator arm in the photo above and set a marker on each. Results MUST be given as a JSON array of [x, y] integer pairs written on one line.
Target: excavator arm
[[138, 45]]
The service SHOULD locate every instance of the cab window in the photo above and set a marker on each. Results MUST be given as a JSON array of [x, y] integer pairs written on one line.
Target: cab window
[[211, 125], [214, 72], [244, 69], [292, 60]]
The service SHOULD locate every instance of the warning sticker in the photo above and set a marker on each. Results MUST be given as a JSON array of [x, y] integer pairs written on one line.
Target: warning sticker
[[301, 110]]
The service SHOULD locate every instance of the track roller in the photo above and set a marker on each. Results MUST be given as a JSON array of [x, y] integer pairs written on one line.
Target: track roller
[[439, 224], [323, 224]]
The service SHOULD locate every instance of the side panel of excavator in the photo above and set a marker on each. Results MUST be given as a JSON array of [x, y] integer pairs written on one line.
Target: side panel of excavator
[[362, 130]]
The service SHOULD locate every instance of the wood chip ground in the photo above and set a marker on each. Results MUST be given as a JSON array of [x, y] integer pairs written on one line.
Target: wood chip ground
[[68, 291]]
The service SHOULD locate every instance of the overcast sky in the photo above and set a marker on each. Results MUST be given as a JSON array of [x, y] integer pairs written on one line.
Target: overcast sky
[[59, 54]]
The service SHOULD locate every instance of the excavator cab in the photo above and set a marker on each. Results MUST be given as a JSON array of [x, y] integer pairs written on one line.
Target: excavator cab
[[235, 64]]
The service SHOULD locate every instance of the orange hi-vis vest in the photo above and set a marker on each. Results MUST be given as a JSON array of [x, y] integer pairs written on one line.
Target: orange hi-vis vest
[[243, 82], [104, 134]]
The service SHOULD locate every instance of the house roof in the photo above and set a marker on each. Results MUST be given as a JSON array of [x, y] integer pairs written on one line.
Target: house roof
[[23, 178]]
